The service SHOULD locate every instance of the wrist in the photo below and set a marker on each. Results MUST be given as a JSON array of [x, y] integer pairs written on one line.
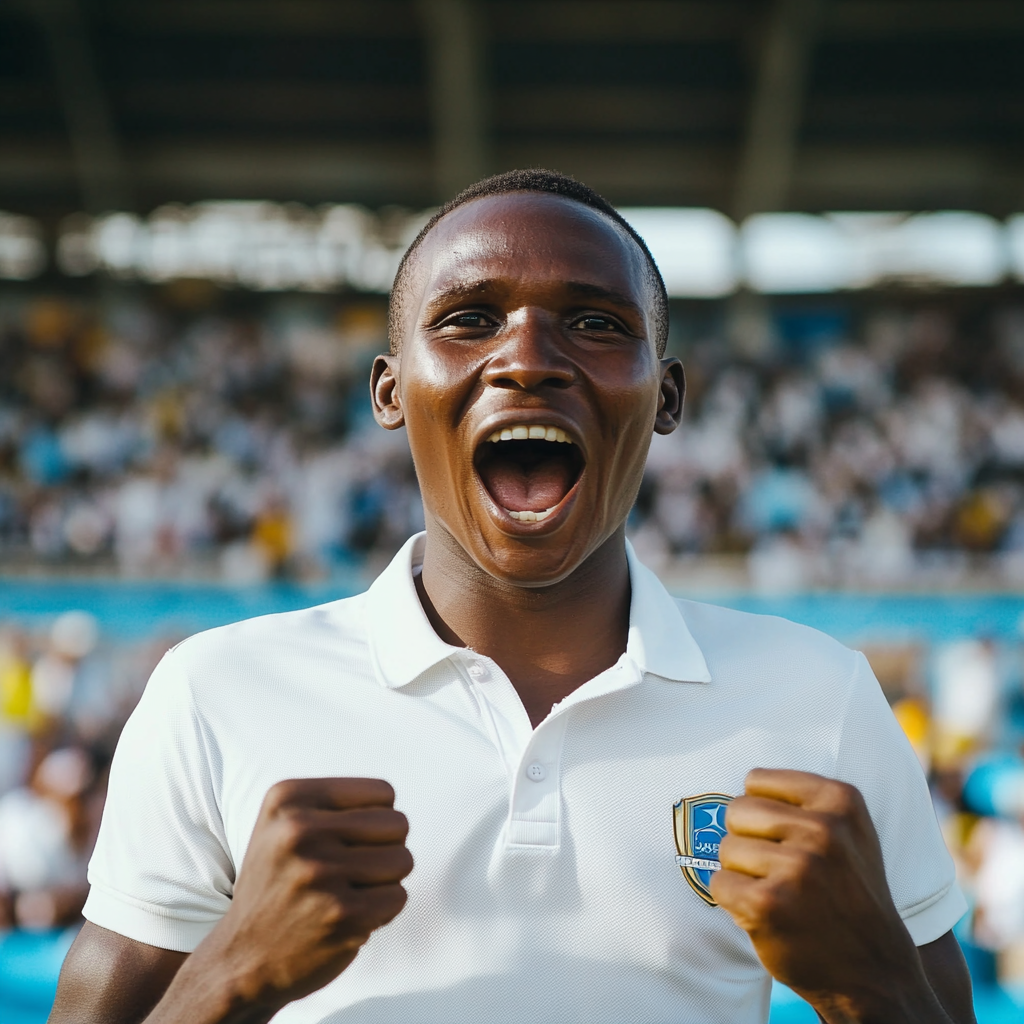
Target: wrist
[[905, 999], [211, 989]]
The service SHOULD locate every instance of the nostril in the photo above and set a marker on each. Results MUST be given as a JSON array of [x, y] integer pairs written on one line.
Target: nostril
[[528, 382], [506, 382]]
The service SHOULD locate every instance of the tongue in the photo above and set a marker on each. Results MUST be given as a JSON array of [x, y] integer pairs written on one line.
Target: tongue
[[527, 489]]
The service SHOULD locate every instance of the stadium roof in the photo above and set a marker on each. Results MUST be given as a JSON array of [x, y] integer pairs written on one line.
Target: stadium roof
[[739, 105]]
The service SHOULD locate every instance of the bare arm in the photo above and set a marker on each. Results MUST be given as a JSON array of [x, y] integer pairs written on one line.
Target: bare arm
[[108, 979], [322, 872], [946, 970]]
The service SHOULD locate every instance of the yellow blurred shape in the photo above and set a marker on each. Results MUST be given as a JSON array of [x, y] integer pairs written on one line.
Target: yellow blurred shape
[[273, 533], [981, 519], [912, 715]]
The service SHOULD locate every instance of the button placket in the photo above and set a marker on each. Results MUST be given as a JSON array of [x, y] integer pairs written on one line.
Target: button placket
[[535, 807], [501, 709]]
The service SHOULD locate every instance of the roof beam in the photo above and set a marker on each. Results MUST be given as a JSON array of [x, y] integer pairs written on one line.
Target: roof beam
[[769, 148], [36, 176], [883, 18], [370, 18], [559, 20], [99, 167], [455, 69]]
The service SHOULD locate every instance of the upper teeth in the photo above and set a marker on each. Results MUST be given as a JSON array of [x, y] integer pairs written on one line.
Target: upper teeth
[[531, 432]]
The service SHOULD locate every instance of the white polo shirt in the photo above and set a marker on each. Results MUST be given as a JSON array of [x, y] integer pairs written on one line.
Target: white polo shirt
[[546, 886]]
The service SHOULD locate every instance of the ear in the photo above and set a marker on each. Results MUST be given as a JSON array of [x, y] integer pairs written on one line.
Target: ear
[[670, 401], [387, 403]]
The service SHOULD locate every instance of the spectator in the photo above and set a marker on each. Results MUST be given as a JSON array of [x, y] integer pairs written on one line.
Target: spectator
[[171, 441]]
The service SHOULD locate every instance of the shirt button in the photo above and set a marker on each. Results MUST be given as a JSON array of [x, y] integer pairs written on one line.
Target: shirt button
[[536, 772], [477, 671]]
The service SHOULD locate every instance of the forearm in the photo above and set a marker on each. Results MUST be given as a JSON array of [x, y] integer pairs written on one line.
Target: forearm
[[199, 997], [212, 988], [910, 1005], [937, 988]]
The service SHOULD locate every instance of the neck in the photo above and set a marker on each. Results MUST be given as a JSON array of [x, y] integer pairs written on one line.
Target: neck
[[548, 640]]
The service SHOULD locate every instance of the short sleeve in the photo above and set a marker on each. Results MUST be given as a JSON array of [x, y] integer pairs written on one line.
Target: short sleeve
[[876, 757], [161, 872]]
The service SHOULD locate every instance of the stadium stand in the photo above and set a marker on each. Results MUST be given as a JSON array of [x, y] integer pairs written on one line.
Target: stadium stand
[[827, 442]]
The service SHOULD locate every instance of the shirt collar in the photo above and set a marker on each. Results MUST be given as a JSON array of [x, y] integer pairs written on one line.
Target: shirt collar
[[659, 640], [403, 644]]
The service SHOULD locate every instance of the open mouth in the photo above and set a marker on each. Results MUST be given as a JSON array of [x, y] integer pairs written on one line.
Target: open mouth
[[529, 469]]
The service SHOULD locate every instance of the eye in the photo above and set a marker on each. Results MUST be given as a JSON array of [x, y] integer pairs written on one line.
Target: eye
[[595, 323], [469, 319]]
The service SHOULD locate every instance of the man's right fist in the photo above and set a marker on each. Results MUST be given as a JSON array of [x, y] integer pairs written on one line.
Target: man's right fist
[[322, 871]]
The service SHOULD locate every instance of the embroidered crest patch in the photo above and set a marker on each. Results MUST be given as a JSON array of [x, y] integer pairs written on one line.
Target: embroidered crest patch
[[699, 824]]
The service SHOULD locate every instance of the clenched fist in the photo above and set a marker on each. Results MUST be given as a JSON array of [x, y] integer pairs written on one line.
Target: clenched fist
[[323, 870], [802, 874]]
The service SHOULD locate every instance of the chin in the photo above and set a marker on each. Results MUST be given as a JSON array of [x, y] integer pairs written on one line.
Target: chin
[[532, 562]]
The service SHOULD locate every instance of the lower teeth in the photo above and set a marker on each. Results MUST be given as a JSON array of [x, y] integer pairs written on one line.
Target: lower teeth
[[531, 517]]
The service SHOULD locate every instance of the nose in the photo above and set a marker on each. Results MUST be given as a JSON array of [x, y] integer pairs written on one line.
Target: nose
[[530, 357]]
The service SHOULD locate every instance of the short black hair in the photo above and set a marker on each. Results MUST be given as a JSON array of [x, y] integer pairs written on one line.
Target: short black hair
[[532, 180]]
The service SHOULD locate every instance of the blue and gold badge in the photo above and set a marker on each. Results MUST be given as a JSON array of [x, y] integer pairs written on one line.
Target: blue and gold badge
[[699, 823]]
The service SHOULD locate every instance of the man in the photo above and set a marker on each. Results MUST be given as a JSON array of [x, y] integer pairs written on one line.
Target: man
[[563, 737]]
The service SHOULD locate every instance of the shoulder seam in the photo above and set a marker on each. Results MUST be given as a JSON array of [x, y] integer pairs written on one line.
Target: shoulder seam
[[855, 659]]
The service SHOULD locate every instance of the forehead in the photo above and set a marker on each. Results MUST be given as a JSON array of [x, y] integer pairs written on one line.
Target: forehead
[[529, 238]]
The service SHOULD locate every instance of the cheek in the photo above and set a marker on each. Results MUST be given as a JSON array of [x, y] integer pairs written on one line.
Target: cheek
[[630, 411], [629, 401], [431, 396], [434, 400]]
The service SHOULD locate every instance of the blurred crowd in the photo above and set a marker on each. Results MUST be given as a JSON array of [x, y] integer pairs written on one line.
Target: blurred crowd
[[172, 442], [883, 448], [961, 704], [65, 694], [172, 432]]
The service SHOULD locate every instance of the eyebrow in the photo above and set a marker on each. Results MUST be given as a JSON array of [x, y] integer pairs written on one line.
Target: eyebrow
[[583, 289], [595, 291]]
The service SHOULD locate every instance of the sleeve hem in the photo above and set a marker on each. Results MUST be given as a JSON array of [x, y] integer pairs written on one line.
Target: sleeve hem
[[936, 916], [154, 927]]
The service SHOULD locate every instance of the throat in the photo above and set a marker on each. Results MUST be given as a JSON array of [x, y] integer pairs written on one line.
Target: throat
[[548, 640]]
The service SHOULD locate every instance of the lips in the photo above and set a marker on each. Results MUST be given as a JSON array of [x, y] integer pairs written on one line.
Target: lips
[[528, 469]]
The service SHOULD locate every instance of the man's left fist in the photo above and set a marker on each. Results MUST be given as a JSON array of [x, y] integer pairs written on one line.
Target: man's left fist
[[802, 874]]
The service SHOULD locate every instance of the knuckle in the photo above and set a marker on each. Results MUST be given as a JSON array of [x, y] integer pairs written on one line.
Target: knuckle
[[725, 847], [735, 809], [401, 897], [278, 796], [343, 906], [378, 790], [405, 862], [333, 913], [720, 887], [820, 834], [801, 863], [766, 902], [845, 798], [306, 873], [291, 832], [394, 899]]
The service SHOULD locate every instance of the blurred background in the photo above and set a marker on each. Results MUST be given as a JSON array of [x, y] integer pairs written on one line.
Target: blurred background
[[202, 205]]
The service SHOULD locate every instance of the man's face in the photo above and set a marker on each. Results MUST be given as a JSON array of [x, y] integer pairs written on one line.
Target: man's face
[[528, 381]]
